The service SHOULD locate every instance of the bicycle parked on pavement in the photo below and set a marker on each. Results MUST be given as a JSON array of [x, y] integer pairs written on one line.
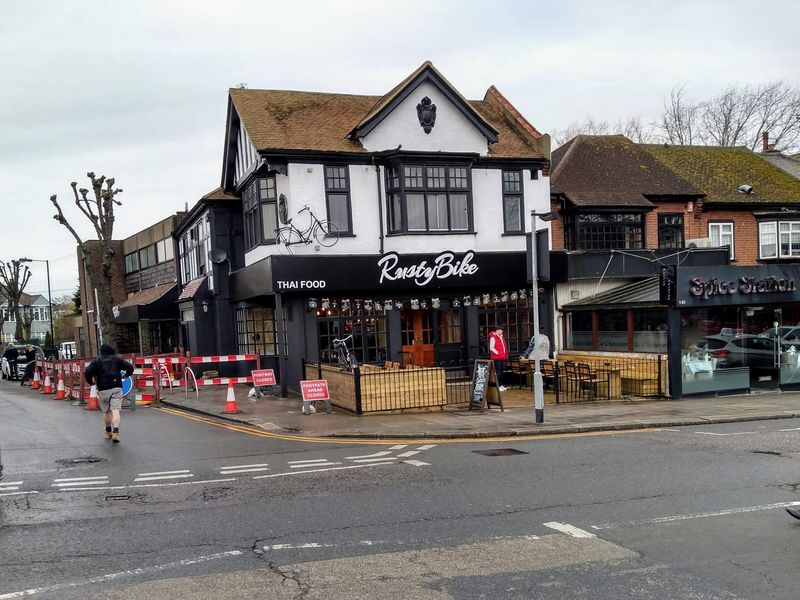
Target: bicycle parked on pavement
[[344, 359], [325, 233]]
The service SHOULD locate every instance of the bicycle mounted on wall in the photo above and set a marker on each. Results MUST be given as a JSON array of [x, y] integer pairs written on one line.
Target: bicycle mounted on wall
[[325, 233]]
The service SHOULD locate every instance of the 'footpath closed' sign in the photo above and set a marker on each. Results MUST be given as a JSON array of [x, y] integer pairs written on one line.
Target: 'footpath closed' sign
[[314, 389], [264, 377]]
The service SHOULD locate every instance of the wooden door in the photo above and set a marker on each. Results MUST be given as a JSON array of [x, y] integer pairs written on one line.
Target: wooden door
[[417, 335]]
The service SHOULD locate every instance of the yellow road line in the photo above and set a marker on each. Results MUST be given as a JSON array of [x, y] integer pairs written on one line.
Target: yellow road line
[[387, 441]]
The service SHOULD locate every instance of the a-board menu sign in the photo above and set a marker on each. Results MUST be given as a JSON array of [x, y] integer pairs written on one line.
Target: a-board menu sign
[[484, 389], [314, 389]]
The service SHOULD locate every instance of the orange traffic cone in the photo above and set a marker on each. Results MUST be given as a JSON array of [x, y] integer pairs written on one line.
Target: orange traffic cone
[[93, 404], [230, 402], [48, 386], [61, 390], [37, 381]]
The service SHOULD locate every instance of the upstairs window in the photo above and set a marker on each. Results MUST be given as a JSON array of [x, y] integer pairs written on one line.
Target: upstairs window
[[670, 230], [513, 208], [429, 199], [193, 250], [147, 256], [721, 234], [165, 250], [260, 205], [131, 262], [337, 198], [779, 239], [604, 231]]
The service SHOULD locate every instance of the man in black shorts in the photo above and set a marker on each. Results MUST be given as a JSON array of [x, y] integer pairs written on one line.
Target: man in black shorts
[[105, 372]]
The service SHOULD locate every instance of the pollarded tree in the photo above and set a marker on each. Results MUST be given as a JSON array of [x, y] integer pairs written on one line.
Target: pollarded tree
[[99, 210], [14, 277]]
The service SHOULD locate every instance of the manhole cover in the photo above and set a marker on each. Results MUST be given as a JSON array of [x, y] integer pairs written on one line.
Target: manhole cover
[[79, 460], [123, 497], [500, 452]]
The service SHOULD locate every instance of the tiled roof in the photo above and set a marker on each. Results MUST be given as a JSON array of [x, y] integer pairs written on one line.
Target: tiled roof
[[146, 296], [787, 163], [610, 170], [316, 121], [219, 194], [191, 289], [719, 171]]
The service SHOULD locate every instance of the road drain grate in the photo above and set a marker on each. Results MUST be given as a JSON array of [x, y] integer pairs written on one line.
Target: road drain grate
[[500, 452], [123, 497]]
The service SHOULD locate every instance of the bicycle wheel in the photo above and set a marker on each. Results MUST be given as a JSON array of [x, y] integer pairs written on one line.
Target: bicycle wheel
[[326, 233], [287, 239]]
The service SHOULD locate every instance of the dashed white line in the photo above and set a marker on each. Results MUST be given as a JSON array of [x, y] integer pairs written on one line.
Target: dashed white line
[[409, 453], [18, 493], [793, 429], [306, 462], [242, 466], [725, 434], [426, 447], [372, 460], [7, 483], [376, 455], [164, 473], [318, 470], [399, 447], [416, 463], [250, 470], [79, 479], [112, 576], [162, 477], [568, 529], [177, 483], [298, 546]]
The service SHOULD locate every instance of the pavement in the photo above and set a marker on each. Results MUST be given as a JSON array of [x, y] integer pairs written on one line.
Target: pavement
[[284, 415]]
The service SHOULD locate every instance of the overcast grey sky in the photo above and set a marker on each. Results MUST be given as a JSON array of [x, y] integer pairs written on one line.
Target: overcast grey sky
[[137, 89]]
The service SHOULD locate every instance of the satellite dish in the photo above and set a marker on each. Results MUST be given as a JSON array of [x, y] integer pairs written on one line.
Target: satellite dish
[[217, 256]]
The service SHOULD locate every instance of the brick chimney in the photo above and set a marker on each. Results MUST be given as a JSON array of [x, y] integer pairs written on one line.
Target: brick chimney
[[766, 146]]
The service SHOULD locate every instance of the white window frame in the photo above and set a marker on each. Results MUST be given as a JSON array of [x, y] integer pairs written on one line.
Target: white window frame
[[780, 230], [717, 240], [764, 230]]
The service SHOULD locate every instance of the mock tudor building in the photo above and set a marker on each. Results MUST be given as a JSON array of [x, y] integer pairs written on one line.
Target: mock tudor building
[[423, 198]]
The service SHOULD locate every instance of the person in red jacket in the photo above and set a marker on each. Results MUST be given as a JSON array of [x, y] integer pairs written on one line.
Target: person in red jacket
[[498, 352]]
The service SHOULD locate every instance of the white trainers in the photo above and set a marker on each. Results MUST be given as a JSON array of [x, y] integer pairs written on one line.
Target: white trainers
[[503, 388]]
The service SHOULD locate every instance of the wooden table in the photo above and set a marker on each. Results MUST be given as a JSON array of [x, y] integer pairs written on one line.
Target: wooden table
[[609, 381]]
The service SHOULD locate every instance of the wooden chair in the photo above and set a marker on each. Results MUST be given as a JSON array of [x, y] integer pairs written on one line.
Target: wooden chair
[[587, 380], [548, 373], [514, 367], [571, 375]]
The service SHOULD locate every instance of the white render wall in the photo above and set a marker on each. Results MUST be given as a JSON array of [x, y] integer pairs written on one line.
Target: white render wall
[[452, 131], [304, 184]]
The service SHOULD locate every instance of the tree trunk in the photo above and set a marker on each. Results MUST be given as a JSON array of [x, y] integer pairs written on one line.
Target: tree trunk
[[102, 282]]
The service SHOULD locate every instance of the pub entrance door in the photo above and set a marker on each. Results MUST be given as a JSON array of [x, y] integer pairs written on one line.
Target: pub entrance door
[[417, 336]]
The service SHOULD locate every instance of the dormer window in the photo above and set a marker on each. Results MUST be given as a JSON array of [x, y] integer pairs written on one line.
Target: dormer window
[[429, 198]]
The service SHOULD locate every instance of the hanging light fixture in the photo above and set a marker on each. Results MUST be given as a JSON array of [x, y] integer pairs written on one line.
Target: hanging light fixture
[[434, 303], [456, 303]]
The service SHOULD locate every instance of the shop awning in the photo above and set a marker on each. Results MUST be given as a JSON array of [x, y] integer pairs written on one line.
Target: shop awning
[[152, 303], [639, 294]]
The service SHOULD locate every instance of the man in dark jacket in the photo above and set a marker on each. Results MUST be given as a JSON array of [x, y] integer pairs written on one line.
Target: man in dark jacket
[[106, 373], [11, 355]]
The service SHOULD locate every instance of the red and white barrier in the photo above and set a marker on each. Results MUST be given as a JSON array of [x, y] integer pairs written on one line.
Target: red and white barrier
[[224, 358]]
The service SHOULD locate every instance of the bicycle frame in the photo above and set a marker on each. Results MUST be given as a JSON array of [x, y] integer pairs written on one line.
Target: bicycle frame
[[305, 235]]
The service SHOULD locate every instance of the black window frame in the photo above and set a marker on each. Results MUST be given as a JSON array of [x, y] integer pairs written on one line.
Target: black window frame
[[664, 227], [254, 203], [509, 194], [574, 238], [339, 191], [129, 260], [398, 191]]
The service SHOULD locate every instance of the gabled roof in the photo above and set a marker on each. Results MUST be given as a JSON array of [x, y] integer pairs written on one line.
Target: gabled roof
[[789, 164], [220, 194], [610, 170], [216, 195], [283, 121], [425, 72], [720, 171]]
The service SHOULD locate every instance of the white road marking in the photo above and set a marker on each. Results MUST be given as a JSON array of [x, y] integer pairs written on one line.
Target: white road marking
[[112, 576], [18, 493], [174, 483], [92, 489], [318, 470], [80, 483], [407, 454], [716, 513], [725, 434], [9, 488], [306, 462], [568, 529], [80, 479], [163, 473], [243, 466], [160, 477], [235, 471], [416, 463], [298, 546], [5, 483], [426, 447], [399, 447], [372, 460], [376, 455], [793, 429]]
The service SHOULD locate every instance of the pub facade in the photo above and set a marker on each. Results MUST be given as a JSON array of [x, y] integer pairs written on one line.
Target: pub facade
[[422, 199]]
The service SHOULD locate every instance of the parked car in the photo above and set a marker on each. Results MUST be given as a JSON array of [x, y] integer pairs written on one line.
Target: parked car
[[752, 351], [7, 370]]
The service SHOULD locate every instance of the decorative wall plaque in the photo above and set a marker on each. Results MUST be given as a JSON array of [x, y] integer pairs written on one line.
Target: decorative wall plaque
[[426, 111]]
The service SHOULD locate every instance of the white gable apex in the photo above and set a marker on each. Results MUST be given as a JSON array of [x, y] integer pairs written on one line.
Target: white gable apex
[[452, 131]]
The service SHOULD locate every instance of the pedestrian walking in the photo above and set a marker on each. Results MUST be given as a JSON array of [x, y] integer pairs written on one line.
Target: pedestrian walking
[[30, 359], [498, 352], [106, 373], [11, 355]]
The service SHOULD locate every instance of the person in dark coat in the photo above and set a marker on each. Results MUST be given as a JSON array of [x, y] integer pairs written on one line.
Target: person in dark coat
[[105, 372]]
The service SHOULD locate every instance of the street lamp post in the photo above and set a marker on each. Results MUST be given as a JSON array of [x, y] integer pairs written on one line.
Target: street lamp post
[[49, 295], [538, 383]]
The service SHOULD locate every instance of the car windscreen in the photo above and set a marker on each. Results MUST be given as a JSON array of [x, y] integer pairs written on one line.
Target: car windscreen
[[715, 344]]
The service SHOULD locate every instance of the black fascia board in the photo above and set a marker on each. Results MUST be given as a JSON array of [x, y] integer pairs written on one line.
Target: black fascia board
[[232, 124], [752, 206], [487, 130]]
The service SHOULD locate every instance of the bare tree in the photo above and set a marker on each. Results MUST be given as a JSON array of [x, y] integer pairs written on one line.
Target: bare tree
[[14, 276], [680, 121], [99, 210], [27, 322], [777, 113], [632, 128]]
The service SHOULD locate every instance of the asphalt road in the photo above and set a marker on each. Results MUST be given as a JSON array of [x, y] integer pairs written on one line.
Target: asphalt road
[[185, 509]]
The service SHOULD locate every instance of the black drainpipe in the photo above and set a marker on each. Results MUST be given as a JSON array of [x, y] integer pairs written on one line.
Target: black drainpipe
[[380, 201]]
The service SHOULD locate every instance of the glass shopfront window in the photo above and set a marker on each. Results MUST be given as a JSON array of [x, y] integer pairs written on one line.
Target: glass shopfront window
[[739, 347], [612, 333]]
